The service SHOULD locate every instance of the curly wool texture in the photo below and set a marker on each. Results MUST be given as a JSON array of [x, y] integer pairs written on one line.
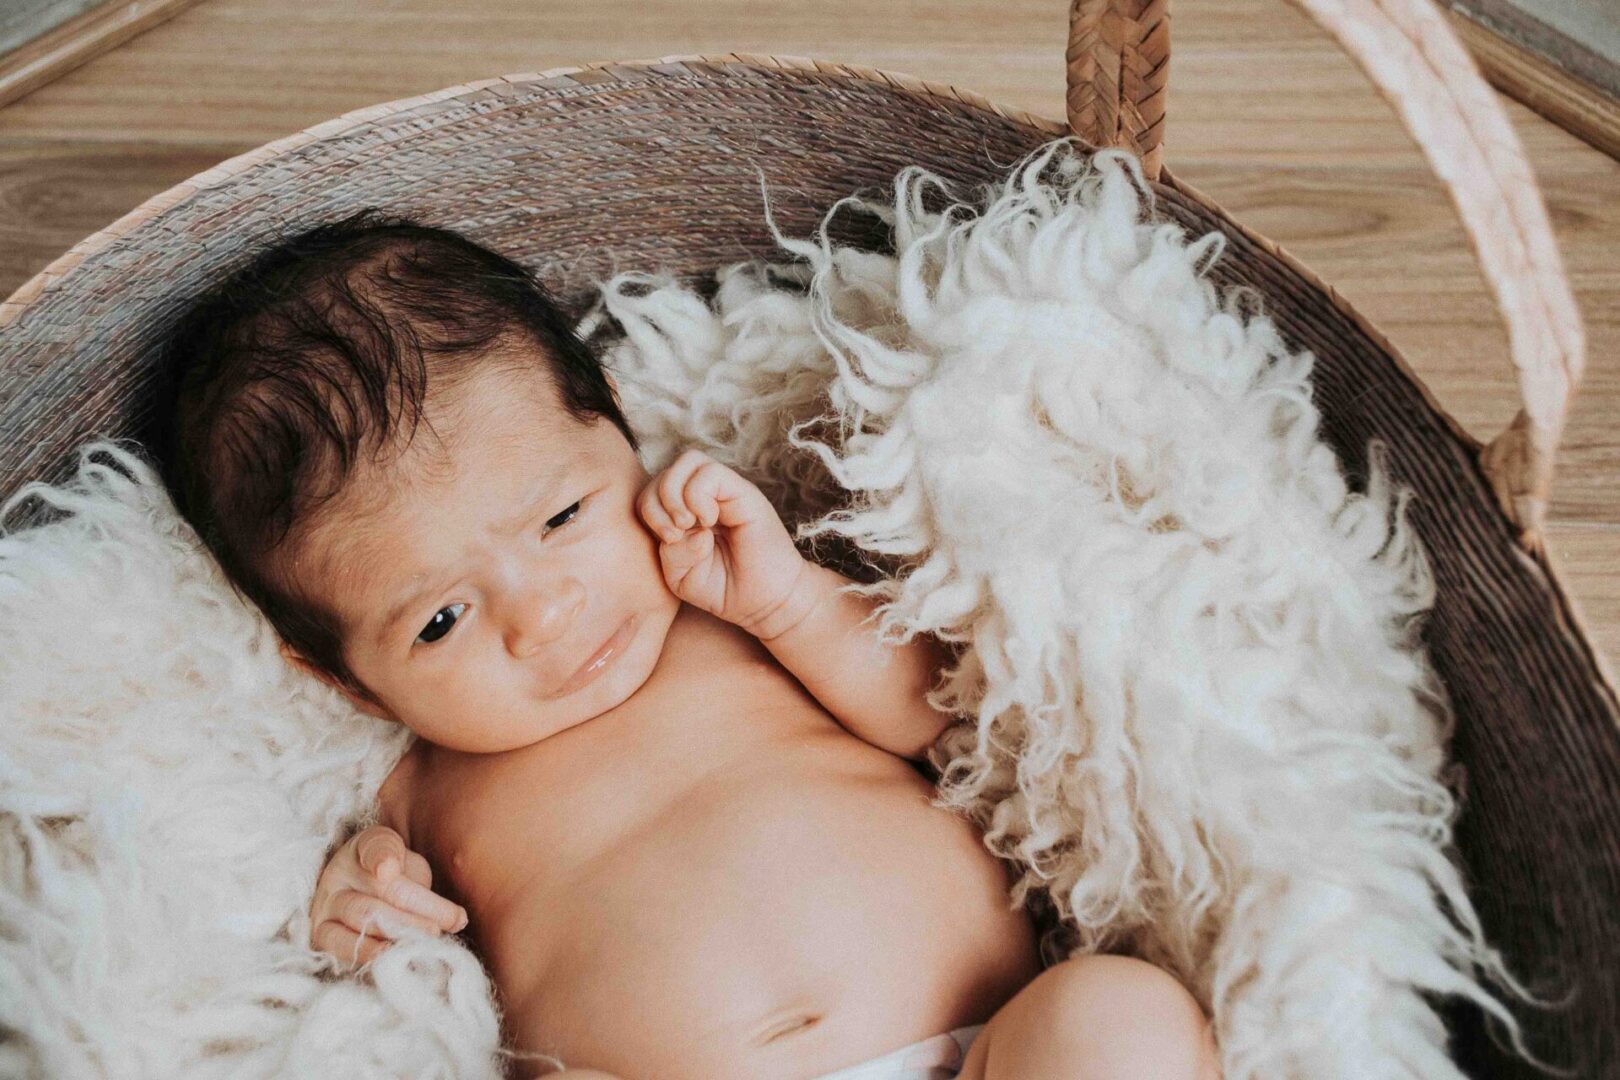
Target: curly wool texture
[[1198, 711], [168, 792], [1202, 719]]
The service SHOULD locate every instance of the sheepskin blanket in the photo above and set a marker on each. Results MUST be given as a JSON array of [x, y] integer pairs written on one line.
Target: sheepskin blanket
[[1196, 714]]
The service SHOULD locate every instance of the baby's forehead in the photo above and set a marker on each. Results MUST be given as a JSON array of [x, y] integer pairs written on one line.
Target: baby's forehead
[[401, 507], [501, 414], [336, 547], [380, 507]]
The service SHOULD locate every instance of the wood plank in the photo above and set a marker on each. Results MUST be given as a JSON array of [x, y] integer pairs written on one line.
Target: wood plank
[[56, 192], [1586, 559]]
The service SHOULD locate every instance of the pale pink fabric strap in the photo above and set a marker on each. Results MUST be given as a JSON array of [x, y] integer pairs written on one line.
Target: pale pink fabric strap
[[1410, 52]]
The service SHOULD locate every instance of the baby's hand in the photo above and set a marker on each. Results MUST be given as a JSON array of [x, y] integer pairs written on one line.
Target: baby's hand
[[370, 889], [722, 545]]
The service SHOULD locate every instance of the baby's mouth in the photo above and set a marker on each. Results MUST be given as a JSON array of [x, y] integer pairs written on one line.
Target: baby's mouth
[[604, 655]]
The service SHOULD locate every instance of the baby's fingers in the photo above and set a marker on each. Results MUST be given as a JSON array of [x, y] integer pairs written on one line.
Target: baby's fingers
[[679, 559], [654, 514], [380, 852], [371, 915], [671, 486], [338, 940], [716, 494], [409, 895], [418, 870], [702, 493]]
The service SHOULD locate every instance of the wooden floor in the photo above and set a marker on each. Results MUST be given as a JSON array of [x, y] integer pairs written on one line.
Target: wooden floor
[[1266, 116]]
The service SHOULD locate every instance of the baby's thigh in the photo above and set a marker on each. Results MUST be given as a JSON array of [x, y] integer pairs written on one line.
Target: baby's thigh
[[1100, 1018]]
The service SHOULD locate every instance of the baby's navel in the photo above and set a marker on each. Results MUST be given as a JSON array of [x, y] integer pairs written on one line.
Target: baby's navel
[[783, 1026]]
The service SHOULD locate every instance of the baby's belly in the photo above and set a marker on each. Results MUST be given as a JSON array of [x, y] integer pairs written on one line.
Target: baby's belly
[[802, 913]]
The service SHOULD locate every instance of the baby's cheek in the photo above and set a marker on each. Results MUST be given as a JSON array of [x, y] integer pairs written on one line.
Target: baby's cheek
[[482, 707], [641, 542], [641, 572]]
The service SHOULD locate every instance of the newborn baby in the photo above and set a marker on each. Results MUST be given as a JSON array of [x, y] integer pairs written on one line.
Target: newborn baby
[[665, 775]]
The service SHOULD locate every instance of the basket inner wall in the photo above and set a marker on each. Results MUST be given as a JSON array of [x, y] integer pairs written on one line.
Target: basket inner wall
[[1537, 730]]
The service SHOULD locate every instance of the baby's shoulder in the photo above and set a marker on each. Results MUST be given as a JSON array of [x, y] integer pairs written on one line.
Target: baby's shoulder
[[400, 789]]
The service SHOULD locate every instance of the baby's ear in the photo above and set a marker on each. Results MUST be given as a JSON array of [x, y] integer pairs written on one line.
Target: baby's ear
[[302, 663], [296, 659]]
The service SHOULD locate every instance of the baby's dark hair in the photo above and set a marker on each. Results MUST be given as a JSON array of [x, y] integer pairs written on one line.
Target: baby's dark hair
[[320, 350]]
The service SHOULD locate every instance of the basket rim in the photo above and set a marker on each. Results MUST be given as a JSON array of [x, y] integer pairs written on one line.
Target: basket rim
[[12, 307]]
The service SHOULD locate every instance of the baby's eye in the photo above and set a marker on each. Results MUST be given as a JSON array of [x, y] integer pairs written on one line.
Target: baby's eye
[[440, 624], [563, 518]]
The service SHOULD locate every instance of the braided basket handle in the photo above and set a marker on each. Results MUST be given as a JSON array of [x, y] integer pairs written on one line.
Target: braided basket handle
[[1118, 69]]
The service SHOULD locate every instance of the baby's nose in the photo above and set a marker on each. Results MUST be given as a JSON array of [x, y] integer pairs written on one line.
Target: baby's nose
[[541, 615]]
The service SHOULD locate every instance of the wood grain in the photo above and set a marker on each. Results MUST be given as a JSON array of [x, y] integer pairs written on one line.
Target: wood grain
[[1265, 115]]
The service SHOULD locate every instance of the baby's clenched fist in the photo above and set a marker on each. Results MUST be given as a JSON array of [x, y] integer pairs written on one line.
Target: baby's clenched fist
[[370, 890], [721, 544]]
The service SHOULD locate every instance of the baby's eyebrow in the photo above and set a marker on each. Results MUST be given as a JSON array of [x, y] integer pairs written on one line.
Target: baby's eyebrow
[[410, 600]]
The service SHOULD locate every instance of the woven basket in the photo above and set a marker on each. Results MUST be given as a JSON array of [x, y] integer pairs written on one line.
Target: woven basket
[[581, 171]]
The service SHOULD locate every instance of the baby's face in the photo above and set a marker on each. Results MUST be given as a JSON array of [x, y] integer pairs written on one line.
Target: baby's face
[[496, 585]]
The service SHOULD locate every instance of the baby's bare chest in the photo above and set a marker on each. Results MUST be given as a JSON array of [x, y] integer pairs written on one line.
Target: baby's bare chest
[[713, 773], [733, 841], [696, 732]]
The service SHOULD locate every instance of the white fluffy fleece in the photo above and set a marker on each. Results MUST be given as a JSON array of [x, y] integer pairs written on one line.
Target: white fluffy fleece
[[1195, 707], [168, 790]]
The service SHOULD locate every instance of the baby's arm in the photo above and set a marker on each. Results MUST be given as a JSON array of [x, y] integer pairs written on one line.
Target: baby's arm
[[724, 549], [875, 689]]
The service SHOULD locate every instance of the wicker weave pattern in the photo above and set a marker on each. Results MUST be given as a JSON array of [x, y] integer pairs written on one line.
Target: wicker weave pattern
[[1119, 75]]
